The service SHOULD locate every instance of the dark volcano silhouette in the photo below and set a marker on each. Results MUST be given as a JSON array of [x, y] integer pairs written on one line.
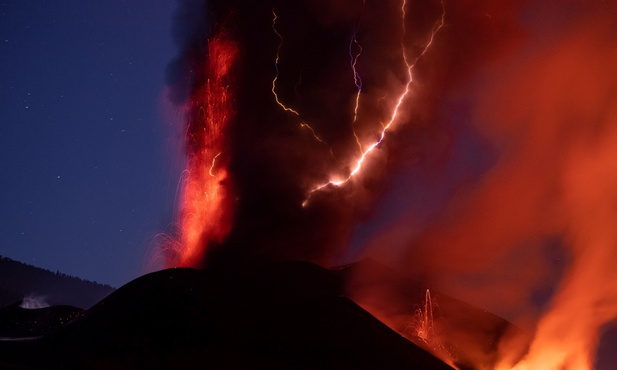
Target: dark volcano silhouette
[[289, 315]]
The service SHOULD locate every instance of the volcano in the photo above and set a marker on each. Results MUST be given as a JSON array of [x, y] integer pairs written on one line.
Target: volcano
[[286, 315]]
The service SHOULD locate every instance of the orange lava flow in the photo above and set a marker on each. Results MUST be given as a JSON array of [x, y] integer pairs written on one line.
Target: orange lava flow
[[205, 215]]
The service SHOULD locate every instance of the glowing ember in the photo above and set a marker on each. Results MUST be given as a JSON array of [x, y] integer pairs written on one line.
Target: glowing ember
[[424, 329], [205, 216], [424, 325]]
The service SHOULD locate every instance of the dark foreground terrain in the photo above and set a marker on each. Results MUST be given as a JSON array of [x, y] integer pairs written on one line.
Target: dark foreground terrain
[[283, 316], [288, 315], [20, 281]]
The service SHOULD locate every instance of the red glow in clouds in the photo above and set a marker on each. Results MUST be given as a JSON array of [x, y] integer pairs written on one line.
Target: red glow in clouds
[[501, 125], [205, 217]]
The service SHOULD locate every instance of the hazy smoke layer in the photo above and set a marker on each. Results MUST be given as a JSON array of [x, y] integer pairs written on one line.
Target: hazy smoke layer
[[496, 181], [535, 231], [276, 159]]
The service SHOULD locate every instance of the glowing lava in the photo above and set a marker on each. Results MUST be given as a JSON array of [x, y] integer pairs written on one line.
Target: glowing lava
[[507, 209], [205, 215], [424, 328]]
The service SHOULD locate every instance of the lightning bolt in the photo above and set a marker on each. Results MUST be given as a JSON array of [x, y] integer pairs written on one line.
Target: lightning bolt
[[276, 66], [356, 76], [275, 80], [304, 125], [395, 112]]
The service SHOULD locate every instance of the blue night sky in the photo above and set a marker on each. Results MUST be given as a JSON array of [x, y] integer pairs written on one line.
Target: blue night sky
[[88, 154]]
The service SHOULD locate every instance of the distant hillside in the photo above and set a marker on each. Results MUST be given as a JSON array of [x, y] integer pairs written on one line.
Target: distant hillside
[[21, 281]]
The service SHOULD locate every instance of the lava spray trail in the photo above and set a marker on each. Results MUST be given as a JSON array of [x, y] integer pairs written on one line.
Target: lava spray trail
[[205, 209]]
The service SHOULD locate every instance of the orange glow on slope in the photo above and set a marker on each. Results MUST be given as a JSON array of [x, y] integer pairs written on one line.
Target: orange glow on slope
[[205, 216]]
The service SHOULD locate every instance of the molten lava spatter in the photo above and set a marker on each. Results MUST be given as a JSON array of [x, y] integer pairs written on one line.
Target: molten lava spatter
[[205, 216]]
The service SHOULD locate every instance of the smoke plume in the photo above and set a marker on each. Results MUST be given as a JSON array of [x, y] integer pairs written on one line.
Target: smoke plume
[[534, 232], [495, 181]]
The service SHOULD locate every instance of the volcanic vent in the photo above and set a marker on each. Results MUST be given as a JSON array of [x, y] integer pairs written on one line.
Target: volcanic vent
[[468, 145]]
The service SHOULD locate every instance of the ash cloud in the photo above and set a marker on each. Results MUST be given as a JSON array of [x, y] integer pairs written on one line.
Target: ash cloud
[[275, 162], [190, 29], [496, 178], [529, 238]]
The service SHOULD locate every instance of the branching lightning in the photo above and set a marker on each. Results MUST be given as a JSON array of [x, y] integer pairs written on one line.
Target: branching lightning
[[395, 112]]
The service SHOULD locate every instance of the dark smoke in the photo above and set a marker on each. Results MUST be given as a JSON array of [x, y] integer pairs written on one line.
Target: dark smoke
[[190, 30], [275, 162], [529, 237], [492, 184]]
